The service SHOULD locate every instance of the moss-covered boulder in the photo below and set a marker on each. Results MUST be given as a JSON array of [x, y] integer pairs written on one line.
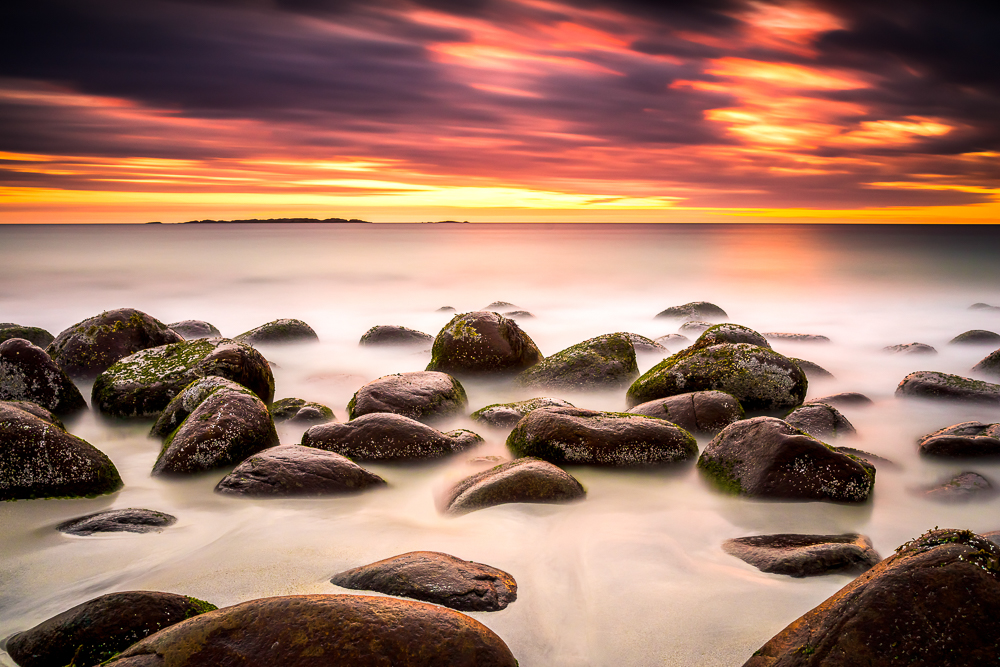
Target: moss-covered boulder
[[435, 577], [279, 332], [40, 460], [34, 335], [972, 337], [575, 436], [936, 601], [96, 630], [971, 439], [946, 387], [37, 410], [194, 329], [300, 411], [383, 436], [990, 365], [386, 335], [696, 310], [606, 362], [296, 471], [184, 403], [766, 457], [28, 374], [728, 332], [701, 412], [90, 347], [131, 520], [523, 480], [311, 630], [805, 555], [506, 415], [482, 344], [820, 420], [427, 396], [141, 385]]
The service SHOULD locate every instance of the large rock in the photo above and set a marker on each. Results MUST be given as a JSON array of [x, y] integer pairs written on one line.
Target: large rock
[[696, 310], [40, 460], [142, 384], [294, 470], [28, 374], [482, 343], [506, 415], [936, 601], [194, 329], [435, 577], [943, 386], [990, 365], [278, 332], [34, 335], [184, 403], [386, 335], [227, 424], [701, 412], [427, 396], [728, 332], [766, 457], [129, 520], [576, 436], [92, 632], [804, 555], [90, 347], [300, 411], [312, 630], [966, 440], [606, 362], [383, 436], [972, 337], [820, 420], [524, 480]]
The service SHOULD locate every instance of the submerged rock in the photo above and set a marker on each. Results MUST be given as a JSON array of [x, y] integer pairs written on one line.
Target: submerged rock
[[506, 415], [519, 315], [300, 411], [643, 345], [294, 470], [311, 630], [910, 348], [383, 436], [962, 488], [796, 337], [935, 602], [820, 420], [129, 520], [427, 396], [90, 347], [730, 333], [385, 335], [482, 344], [576, 436], [766, 457], [674, 340], [524, 480], [34, 335], [812, 370], [847, 398], [990, 365], [280, 332], [435, 577], [606, 362], [984, 306], [804, 555], [943, 386], [194, 329], [500, 306], [28, 374], [694, 327], [696, 310], [702, 412], [874, 459], [973, 337], [94, 631], [966, 440]]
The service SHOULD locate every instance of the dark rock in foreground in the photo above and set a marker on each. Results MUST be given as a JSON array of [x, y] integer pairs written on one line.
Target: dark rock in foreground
[[294, 470], [92, 632], [312, 630], [796, 337], [702, 412], [606, 362], [194, 329], [804, 555], [383, 436], [524, 480], [973, 337], [427, 396], [935, 602], [435, 577], [506, 415], [300, 411], [847, 398], [910, 348], [962, 488], [37, 410], [34, 335], [129, 520], [990, 365], [696, 310], [386, 335], [942, 386], [482, 344], [575, 436], [820, 420], [28, 374], [812, 370], [966, 440]]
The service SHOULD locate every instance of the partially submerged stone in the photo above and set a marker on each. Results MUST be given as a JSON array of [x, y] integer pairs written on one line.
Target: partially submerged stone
[[673, 340], [947, 387], [727, 332], [279, 332], [131, 520], [34, 335], [427, 396], [296, 471], [575, 436], [845, 399], [962, 488], [482, 344], [695, 310], [519, 315], [506, 415], [990, 365], [500, 306], [984, 306], [701, 412], [300, 411], [796, 337], [383, 436], [972, 337], [970, 439], [645, 345], [910, 348], [695, 327], [606, 362], [768, 458], [90, 347], [28, 374], [385, 335], [874, 459], [523, 480], [820, 420], [96, 630], [435, 577], [805, 555], [812, 370], [194, 329], [190, 397]]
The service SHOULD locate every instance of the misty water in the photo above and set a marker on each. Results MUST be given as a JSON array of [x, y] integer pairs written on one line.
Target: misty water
[[634, 574]]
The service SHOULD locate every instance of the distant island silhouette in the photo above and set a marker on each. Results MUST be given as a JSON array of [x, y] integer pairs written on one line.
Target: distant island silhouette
[[277, 220]]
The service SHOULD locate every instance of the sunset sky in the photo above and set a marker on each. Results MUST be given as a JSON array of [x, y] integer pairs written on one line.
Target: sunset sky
[[499, 110]]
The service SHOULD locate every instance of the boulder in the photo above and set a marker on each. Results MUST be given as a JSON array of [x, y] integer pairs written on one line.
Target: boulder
[[279, 332], [184, 403], [910, 348], [482, 344], [701, 412], [383, 436], [796, 337], [129, 520], [194, 329], [310, 630], [28, 374], [820, 420], [141, 385], [936, 601], [575, 436], [38, 411], [294, 470], [962, 488], [519, 315], [40, 460], [606, 362], [90, 347], [730, 333], [385, 335], [92, 632], [506, 415], [696, 310], [33, 335], [766, 457], [674, 340], [694, 327], [805, 555], [946, 387], [847, 398], [643, 345], [973, 337], [966, 440], [524, 480], [500, 306], [990, 365], [435, 577], [812, 370], [300, 411], [445, 309], [427, 396]]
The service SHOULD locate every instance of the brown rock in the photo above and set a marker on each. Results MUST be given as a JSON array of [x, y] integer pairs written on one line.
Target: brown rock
[[804, 555], [28, 374], [966, 440], [482, 343], [294, 470], [427, 396], [702, 412], [383, 436], [820, 420], [524, 480]]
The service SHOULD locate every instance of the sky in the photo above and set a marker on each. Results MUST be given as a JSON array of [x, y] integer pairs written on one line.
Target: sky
[[115, 111]]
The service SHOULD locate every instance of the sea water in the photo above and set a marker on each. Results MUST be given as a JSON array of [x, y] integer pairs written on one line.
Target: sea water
[[634, 574]]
